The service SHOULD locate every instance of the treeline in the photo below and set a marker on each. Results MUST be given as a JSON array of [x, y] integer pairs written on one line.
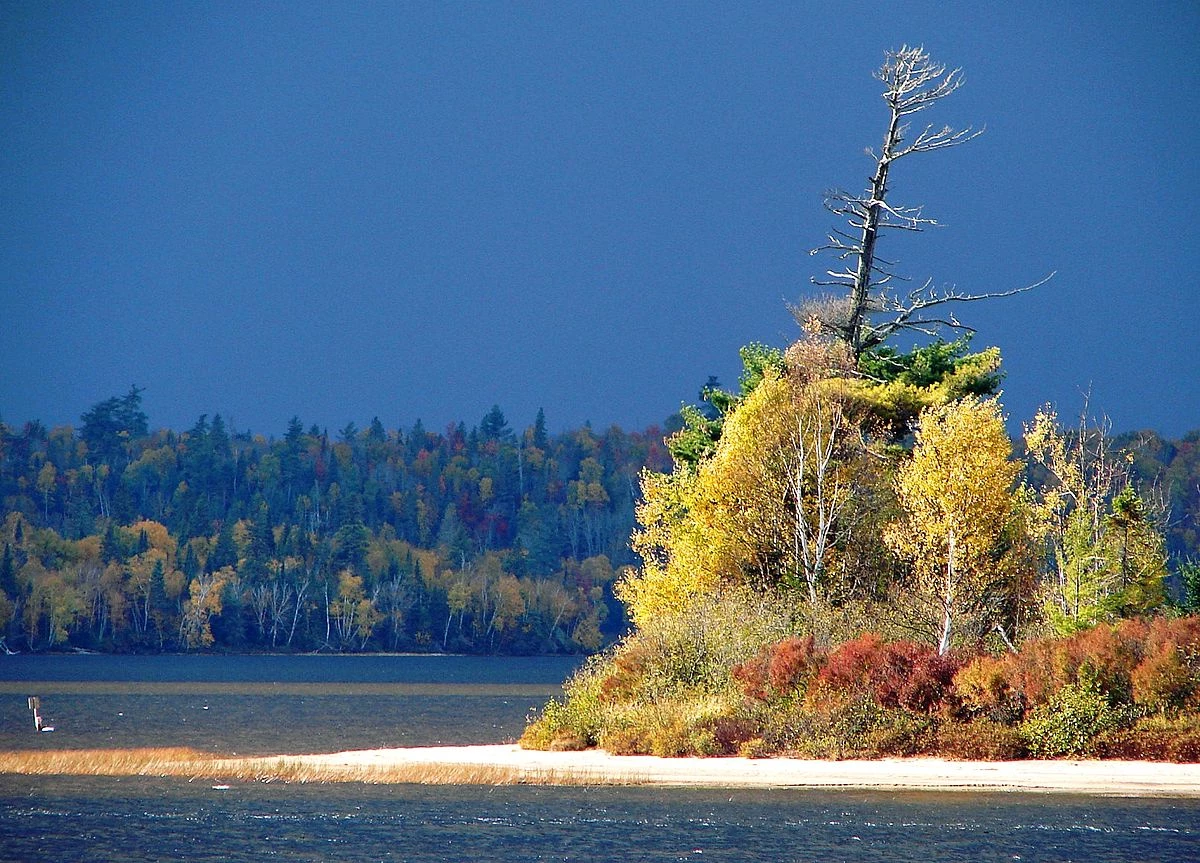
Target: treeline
[[1168, 472], [484, 539]]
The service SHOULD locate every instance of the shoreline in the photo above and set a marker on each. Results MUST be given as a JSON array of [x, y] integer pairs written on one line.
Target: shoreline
[[597, 767], [509, 764]]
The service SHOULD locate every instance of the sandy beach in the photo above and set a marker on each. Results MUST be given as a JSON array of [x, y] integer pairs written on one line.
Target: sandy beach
[[1119, 778]]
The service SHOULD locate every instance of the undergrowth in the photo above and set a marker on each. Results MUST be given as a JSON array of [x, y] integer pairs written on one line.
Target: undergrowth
[[683, 688]]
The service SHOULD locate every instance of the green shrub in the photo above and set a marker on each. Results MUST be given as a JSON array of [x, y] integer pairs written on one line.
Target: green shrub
[[899, 734], [696, 650], [837, 733], [671, 729], [980, 740], [1070, 722], [573, 723]]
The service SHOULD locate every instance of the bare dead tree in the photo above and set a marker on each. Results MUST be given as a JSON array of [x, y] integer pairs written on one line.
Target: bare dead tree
[[872, 312]]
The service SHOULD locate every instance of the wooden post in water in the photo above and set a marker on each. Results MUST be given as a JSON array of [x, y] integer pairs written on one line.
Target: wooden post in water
[[35, 704]]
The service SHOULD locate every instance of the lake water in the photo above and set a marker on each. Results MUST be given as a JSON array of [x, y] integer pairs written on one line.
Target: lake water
[[327, 703], [262, 705]]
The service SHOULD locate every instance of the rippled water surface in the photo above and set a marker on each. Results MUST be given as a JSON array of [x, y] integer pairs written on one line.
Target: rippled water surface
[[315, 703], [272, 704], [109, 820]]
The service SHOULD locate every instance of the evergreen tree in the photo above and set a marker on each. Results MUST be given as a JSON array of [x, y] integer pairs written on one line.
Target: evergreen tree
[[541, 440], [8, 573], [494, 427], [225, 552]]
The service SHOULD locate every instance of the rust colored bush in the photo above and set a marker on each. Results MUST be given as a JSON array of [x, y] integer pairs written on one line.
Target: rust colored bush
[[1107, 654], [1163, 681], [792, 662], [984, 685], [1183, 632], [780, 669], [624, 679], [732, 733], [751, 676], [899, 674]]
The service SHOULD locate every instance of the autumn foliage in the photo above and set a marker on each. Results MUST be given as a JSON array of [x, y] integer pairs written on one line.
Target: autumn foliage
[[1090, 694]]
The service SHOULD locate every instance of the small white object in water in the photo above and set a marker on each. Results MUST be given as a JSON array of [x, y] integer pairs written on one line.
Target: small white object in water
[[220, 788], [46, 728]]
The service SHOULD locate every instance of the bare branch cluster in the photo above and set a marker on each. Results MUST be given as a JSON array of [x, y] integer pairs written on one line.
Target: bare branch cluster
[[872, 312]]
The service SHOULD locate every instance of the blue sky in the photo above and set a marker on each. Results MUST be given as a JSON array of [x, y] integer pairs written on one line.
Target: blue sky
[[416, 210]]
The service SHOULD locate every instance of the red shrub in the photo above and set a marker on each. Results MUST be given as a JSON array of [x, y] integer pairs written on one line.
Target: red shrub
[[849, 669], [929, 683], [896, 675], [1163, 681], [779, 669], [752, 675], [792, 661]]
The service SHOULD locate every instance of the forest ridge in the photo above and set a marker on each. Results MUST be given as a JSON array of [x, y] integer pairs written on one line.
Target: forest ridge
[[482, 539]]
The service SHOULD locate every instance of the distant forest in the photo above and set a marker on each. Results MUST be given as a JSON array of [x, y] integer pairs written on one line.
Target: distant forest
[[480, 539]]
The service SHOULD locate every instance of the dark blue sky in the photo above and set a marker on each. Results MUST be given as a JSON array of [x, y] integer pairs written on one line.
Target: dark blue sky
[[416, 210]]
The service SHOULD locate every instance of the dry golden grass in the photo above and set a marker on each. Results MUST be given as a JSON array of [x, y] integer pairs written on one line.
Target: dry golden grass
[[102, 762], [191, 764], [300, 770]]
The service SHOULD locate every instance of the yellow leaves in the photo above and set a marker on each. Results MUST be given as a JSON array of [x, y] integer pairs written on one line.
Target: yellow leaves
[[204, 600], [654, 592], [588, 490], [897, 403], [597, 570], [46, 478], [157, 535], [729, 519], [508, 602], [458, 597], [957, 493], [960, 475], [53, 600]]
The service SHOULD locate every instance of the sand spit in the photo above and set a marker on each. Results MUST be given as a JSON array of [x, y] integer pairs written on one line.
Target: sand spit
[[932, 774], [508, 764]]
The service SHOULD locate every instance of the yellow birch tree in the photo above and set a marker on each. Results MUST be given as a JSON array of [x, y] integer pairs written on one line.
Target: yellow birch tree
[[962, 516]]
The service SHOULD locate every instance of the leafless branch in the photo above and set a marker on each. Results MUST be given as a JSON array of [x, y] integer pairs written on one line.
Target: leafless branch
[[912, 83]]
